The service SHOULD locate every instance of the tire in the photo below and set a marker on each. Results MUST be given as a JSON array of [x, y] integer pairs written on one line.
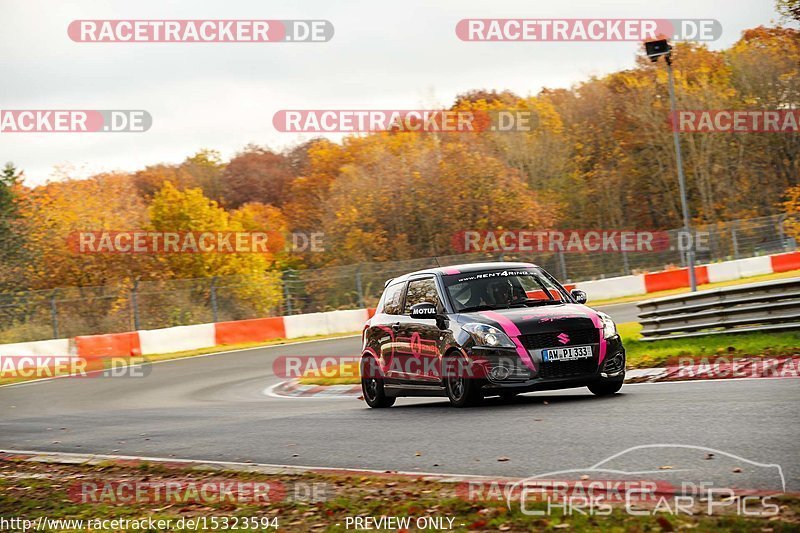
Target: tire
[[605, 388], [372, 385], [463, 391]]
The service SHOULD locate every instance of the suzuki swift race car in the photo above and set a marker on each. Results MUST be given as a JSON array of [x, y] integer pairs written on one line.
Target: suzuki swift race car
[[485, 329]]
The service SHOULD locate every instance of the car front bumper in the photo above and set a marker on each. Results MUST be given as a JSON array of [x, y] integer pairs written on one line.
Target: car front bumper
[[503, 369]]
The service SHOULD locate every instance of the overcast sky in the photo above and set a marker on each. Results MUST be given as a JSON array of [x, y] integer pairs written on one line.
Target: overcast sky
[[384, 55]]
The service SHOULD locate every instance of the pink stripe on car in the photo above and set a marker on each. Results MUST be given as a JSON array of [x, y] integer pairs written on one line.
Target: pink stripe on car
[[513, 333]]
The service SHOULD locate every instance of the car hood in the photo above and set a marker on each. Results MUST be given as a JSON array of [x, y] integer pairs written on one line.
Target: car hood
[[543, 319]]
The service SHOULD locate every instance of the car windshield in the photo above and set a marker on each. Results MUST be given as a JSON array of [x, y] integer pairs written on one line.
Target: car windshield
[[501, 289]]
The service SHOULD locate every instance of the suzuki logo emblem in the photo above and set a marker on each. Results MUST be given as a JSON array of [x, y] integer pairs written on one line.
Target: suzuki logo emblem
[[563, 338]]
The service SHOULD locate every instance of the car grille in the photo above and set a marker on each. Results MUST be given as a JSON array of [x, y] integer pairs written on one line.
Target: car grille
[[577, 337], [564, 369]]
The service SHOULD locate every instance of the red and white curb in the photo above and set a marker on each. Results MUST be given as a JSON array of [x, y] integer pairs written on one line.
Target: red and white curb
[[719, 368], [692, 370], [294, 389]]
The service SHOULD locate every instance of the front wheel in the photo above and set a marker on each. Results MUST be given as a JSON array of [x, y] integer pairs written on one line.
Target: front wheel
[[462, 391], [605, 388], [372, 385]]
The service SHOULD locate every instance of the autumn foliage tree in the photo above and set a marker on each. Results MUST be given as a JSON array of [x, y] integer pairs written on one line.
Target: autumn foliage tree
[[173, 210], [256, 175], [54, 213], [791, 207], [599, 155], [415, 192], [11, 229]]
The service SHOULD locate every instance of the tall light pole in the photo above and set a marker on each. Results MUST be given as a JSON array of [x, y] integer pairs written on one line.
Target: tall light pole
[[654, 50]]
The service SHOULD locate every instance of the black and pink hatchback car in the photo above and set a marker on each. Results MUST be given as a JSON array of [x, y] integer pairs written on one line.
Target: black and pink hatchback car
[[486, 329]]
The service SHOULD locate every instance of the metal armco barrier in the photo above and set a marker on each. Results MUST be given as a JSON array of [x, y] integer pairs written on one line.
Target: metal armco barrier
[[767, 306]]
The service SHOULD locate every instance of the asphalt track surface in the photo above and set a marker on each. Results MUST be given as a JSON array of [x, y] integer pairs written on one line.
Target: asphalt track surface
[[215, 408], [625, 312]]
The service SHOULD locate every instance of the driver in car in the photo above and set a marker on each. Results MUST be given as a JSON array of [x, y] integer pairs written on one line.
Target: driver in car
[[502, 292]]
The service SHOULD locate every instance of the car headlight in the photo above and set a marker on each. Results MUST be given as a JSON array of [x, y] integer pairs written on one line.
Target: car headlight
[[486, 335], [609, 328]]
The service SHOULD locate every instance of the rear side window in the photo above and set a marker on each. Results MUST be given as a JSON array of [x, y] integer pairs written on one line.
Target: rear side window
[[391, 299], [421, 290]]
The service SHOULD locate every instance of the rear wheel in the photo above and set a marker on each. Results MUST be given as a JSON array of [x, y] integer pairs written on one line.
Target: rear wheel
[[462, 391], [605, 388], [372, 385]]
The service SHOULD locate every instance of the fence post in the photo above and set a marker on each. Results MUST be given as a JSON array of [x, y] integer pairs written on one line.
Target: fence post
[[781, 235], [359, 289], [135, 305], [625, 265], [214, 299], [563, 265], [287, 296], [54, 313], [734, 241]]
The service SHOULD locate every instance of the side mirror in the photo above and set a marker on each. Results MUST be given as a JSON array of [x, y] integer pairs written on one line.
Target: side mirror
[[423, 310], [579, 296]]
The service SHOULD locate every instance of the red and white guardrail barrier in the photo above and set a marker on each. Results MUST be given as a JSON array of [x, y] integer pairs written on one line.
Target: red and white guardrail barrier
[[180, 338]]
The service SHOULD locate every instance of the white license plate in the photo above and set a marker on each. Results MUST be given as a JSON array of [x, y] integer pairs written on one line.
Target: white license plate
[[567, 354]]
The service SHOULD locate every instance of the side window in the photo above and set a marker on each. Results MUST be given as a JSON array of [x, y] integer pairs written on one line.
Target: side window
[[421, 290], [379, 305], [391, 299]]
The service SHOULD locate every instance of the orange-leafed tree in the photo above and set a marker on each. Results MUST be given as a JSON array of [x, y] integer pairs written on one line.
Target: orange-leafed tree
[[256, 175], [54, 212], [791, 208], [253, 281]]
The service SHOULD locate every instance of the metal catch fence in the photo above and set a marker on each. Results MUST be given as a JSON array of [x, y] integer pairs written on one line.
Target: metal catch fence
[[67, 312]]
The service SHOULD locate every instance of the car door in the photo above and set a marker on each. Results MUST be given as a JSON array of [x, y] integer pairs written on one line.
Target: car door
[[388, 324], [419, 339]]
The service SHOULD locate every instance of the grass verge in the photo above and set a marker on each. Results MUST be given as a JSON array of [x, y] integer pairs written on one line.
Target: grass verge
[[31, 490], [347, 373], [659, 353]]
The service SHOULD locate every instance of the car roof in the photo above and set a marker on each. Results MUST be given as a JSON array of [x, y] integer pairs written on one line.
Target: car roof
[[461, 269]]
